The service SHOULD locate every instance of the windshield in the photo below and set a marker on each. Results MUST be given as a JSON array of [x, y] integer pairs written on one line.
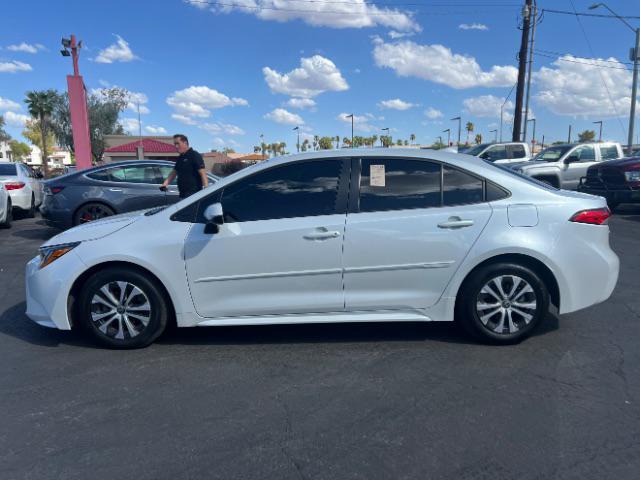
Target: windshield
[[552, 154], [477, 150], [8, 169]]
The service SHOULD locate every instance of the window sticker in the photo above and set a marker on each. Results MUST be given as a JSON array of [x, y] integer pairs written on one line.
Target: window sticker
[[377, 178]]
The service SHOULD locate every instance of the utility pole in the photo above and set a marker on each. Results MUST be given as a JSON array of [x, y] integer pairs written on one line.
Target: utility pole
[[533, 37], [569, 140], [522, 69], [351, 116], [495, 139], [387, 142], [448, 130]]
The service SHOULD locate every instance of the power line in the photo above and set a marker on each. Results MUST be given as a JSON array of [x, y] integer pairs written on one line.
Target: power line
[[604, 84], [417, 4], [560, 54], [584, 14]]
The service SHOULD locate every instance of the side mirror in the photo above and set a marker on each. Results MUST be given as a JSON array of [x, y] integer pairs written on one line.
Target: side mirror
[[214, 216], [571, 159]]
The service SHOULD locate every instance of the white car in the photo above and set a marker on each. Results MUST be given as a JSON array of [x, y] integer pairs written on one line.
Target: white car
[[6, 210], [24, 188], [507, 152], [334, 236]]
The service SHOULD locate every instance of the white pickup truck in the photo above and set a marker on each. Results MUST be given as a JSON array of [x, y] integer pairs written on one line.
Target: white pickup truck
[[507, 152]]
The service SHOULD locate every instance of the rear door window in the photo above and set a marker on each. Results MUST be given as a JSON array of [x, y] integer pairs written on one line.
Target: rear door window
[[398, 184], [609, 153], [460, 188], [497, 152], [516, 151]]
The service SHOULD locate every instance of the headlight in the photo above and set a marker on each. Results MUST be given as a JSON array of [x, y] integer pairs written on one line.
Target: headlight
[[632, 176], [51, 253]]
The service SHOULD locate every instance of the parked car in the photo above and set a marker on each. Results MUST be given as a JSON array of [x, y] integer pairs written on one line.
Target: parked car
[[508, 152], [562, 166], [334, 236], [114, 188], [6, 210], [24, 188], [617, 180]]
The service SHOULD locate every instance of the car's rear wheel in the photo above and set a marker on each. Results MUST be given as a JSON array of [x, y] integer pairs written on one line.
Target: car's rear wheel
[[92, 211], [8, 215], [502, 303], [122, 308], [612, 204]]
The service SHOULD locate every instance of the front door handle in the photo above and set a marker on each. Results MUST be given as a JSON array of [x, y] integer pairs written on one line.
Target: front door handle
[[115, 189], [455, 222], [321, 233]]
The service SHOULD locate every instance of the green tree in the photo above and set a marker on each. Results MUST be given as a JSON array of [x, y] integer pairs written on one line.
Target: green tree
[[325, 143], [587, 136], [282, 148], [337, 141], [316, 140], [257, 149], [228, 150], [4, 136], [478, 139], [233, 166], [469, 128], [346, 142], [32, 133], [19, 150], [103, 107], [305, 145], [412, 137], [40, 105]]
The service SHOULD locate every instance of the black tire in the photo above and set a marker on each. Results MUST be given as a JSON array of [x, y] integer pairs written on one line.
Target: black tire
[[474, 298], [612, 204], [8, 216], [115, 331], [31, 213], [90, 212]]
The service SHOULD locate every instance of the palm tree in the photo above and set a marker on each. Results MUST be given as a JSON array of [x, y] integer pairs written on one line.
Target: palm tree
[[282, 147], [40, 105], [479, 138], [337, 141], [469, 129], [412, 137], [316, 141]]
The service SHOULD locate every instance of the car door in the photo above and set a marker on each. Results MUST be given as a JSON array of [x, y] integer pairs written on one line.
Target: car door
[[129, 187], [280, 248], [496, 153], [576, 165], [516, 153], [172, 193], [414, 223]]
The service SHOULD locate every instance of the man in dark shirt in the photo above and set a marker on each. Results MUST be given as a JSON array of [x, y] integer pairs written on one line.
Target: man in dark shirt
[[189, 169]]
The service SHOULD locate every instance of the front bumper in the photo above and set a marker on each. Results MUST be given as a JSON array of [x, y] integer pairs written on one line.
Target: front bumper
[[48, 290]]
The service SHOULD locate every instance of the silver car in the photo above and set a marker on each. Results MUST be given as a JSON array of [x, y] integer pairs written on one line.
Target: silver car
[[22, 185]]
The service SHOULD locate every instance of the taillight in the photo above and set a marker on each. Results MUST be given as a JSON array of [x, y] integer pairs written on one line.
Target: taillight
[[55, 190], [14, 185], [596, 216]]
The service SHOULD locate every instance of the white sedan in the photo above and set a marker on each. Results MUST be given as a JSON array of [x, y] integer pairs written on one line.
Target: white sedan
[[334, 236], [6, 209], [22, 185]]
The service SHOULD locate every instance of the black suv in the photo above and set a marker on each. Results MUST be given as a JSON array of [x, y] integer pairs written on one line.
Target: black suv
[[616, 180]]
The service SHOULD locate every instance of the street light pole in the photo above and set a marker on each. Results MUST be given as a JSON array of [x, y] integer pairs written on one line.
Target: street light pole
[[495, 139], [459, 119], [599, 136], [440, 140], [298, 144], [448, 131], [351, 116], [635, 56]]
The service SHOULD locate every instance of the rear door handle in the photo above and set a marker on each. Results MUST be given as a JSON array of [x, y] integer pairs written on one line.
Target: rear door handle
[[321, 233], [455, 222]]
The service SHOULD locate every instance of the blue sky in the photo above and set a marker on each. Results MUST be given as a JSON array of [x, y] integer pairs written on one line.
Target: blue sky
[[224, 77]]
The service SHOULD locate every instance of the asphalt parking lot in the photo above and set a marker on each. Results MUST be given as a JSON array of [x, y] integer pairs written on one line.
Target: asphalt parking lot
[[377, 401]]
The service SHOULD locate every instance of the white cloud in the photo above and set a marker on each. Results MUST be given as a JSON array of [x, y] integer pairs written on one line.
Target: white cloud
[[439, 64], [360, 122], [473, 26], [353, 14], [396, 104], [301, 103], [117, 52], [488, 106], [14, 66], [217, 128], [130, 125], [155, 130], [280, 115], [16, 119], [6, 104], [198, 101], [396, 35], [574, 87], [138, 98], [26, 48], [183, 119], [433, 113], [315, 75]]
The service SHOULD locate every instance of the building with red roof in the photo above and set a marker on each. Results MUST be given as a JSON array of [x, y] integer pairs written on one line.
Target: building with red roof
[[127, 147]]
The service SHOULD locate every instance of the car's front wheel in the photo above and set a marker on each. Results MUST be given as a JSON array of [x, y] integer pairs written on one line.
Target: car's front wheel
[[122, 308], [502, 303]]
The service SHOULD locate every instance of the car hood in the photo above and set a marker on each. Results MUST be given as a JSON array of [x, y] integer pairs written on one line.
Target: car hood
[[619, 163], [96, 229], [531, 164]]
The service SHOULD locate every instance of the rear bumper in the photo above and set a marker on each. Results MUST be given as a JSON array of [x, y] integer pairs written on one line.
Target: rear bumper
[[20, 199], [55, 217]]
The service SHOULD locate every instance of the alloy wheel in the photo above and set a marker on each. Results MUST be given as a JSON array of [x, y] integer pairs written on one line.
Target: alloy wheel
[[120, 310], [93, 212], [506, 304]]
